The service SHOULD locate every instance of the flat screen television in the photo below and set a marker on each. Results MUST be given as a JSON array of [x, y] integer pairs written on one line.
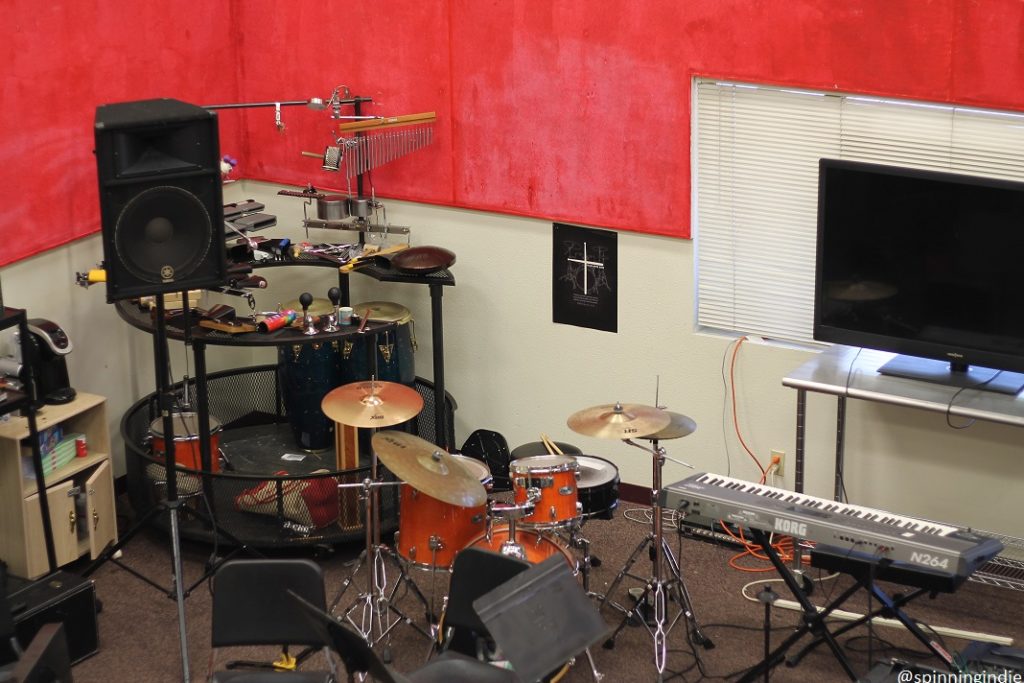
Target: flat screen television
[[925, 264]]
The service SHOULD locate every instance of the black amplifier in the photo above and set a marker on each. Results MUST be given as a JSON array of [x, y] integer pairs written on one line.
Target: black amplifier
[[60, 597]]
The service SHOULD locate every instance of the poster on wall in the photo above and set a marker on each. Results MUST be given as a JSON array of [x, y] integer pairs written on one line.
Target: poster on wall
[[585, 277]]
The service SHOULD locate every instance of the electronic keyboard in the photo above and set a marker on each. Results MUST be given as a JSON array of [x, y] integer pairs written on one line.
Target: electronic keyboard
[[704, 499]]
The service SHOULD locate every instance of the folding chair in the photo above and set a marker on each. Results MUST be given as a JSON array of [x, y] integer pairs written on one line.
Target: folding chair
[[252, 605]]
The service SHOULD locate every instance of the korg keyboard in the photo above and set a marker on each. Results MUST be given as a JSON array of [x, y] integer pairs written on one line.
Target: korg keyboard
[[706, 498]]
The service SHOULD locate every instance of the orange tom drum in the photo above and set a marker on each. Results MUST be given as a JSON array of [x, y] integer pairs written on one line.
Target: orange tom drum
[[186, 441], [555, 477], [536, 546], [431, 532]]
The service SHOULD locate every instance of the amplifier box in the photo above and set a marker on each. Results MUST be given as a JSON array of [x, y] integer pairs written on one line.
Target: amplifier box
[[60, 597]]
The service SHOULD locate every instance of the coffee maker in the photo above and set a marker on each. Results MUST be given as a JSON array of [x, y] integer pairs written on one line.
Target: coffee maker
[[45, 352]]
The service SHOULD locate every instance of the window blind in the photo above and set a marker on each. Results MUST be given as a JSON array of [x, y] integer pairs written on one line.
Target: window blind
[[755, 186]]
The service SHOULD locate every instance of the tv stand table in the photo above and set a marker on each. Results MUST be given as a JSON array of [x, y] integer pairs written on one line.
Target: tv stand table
[[848, 372]]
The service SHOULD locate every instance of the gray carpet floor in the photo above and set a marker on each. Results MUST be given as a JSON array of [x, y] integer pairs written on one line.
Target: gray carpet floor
[[139, 633]]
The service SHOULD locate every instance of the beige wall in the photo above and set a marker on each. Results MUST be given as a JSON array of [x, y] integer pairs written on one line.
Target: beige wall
[[512, 370]]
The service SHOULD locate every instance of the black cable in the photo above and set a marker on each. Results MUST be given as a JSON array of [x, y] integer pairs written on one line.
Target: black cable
[[846, 393], [887, 646], [949, 406], [725, 405]]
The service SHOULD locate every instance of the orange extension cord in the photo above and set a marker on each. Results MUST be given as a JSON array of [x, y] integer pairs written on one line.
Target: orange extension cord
[[735, 419], [784, 545]]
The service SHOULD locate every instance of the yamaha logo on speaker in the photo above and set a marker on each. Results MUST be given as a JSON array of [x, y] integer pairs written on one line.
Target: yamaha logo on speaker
[[167, 273]]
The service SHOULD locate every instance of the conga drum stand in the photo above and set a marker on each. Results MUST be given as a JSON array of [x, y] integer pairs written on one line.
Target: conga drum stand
[[665, 584]]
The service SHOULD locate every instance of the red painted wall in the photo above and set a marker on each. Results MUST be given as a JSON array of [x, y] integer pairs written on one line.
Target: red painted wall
[[579, 111], [63, 58], [575, 111]]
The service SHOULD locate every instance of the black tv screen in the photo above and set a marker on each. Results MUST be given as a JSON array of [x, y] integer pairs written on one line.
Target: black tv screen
[[922, 263]]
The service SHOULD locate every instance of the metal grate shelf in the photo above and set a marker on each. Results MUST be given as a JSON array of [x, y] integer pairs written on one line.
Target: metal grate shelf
[[1006, 570]]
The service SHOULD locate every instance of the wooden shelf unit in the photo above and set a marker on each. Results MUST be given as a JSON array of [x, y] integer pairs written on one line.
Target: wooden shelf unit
[[80, 494]]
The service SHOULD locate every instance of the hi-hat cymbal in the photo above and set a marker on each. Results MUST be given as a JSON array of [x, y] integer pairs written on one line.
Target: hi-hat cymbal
[[679, 427], [429, 468], [619, 421], [372, 404]]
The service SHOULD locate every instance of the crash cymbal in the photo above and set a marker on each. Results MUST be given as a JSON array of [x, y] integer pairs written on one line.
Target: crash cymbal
[[679, 427], [372, 404], [429, 469], [618, 421]]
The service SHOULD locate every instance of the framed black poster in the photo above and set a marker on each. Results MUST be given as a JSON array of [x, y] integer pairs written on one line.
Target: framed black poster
[[585, 277]]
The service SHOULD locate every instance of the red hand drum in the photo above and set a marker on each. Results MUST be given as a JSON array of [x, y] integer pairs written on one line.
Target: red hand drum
[[186, 441]]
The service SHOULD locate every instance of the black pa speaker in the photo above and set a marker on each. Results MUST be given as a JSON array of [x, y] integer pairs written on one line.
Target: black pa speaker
[[161, 205]]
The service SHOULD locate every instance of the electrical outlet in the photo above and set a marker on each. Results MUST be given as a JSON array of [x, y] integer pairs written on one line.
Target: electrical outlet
[[779, 457]]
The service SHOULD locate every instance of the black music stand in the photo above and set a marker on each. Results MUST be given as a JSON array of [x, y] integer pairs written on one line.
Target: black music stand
[[541, 618], [864, 570]]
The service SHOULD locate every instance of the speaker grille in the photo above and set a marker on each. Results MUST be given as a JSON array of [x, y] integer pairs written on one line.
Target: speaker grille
[[163, 234]]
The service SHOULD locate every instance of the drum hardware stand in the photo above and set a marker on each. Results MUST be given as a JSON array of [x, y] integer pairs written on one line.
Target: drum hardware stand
[[662, 589], [512, 512], [376, 602]]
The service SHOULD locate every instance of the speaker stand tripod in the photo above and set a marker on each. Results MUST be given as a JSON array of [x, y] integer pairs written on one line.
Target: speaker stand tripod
[[661, 587], [172, 503]]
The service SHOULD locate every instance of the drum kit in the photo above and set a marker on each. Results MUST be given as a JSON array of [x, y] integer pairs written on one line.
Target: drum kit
[[446, 506]]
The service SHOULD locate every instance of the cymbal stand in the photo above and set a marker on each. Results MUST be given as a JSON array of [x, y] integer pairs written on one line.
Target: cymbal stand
[[376, 602], [661, 588]]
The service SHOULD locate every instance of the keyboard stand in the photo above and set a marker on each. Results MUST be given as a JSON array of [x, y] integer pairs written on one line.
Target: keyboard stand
[[866, 575], [814, 621]]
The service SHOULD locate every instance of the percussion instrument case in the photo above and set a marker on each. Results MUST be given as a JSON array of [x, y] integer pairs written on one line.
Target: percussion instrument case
[[60, 597]]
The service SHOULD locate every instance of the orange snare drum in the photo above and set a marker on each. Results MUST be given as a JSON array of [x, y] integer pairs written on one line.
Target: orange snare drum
[[186, 441], [537, 547], [430, 531], [555, 476]]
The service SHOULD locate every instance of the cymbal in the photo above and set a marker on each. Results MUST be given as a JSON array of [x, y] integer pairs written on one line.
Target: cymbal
[[429, 468], [618, 421], [372, 404], [679, 427]]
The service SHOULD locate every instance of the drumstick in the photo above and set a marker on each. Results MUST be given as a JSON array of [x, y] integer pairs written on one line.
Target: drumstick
[[553, 448], [366, 319]]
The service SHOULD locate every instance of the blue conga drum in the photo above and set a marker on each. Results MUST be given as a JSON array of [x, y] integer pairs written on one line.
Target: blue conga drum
[[395, 349], [307, 372]]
